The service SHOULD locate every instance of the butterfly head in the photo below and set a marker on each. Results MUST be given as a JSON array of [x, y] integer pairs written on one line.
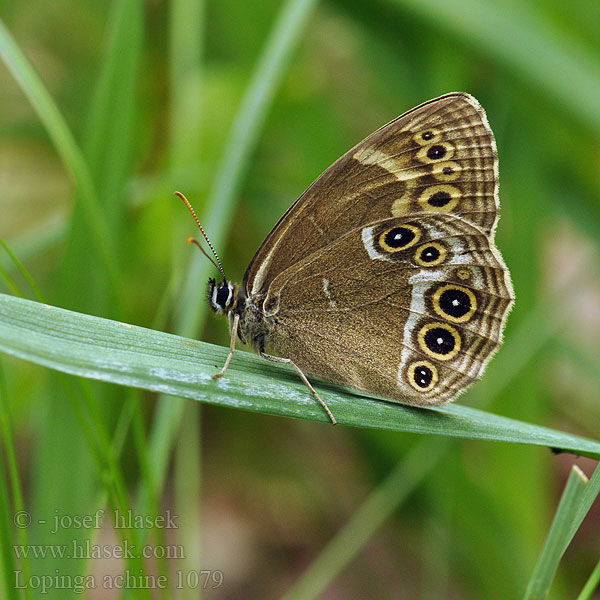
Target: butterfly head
[[221, 296]]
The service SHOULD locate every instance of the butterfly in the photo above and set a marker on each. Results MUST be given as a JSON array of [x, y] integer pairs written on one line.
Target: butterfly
[[384, 276]]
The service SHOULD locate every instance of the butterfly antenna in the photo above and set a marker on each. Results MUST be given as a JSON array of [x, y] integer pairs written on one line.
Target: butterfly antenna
[[192, 240]]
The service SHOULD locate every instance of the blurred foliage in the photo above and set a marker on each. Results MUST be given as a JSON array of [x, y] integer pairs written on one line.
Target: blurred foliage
[[150, 92]]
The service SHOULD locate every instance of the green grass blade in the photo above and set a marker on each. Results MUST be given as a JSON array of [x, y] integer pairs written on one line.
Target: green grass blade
[[110, 136], [40, 237], [128, 355], [558, 537], [188, 493], [65, 145], [100, 447], [186, 46], [591, 585], [7, 562], [21, 268], [592, 490], [518, 39], [186, 37], [250, 118], [518, 352], [376, 509], [243, 137], [10, 283], [91, 425], [8, 511]]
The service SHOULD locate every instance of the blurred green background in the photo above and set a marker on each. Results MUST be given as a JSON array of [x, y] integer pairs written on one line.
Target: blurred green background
[[240, 105]]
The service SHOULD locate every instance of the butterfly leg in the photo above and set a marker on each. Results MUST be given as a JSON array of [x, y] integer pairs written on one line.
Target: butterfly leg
[[233, 332], [289, 361]]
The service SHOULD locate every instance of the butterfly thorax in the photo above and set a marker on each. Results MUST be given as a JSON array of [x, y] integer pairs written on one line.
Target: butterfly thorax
[[226, 298]]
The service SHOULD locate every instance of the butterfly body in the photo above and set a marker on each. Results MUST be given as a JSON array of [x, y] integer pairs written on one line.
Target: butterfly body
[[384, 276]]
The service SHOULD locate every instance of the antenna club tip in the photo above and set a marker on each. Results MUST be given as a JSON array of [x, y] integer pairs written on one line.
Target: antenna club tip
[[187, 203], [191, 240]]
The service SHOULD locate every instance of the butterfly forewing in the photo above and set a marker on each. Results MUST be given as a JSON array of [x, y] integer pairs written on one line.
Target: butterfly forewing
[[437, 158]]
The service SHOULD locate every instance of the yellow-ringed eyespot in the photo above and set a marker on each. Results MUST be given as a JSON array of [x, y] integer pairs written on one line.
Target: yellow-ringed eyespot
[[399, 238], [427, 136], [448, 170], [435, 152], [430, 254], [454, 303], [422, 375], [439, 198], [439, 340]]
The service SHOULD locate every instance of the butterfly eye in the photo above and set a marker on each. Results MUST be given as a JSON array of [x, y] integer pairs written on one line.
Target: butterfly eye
[[224, 295], [454, 303], [220, 295], [399, 238]]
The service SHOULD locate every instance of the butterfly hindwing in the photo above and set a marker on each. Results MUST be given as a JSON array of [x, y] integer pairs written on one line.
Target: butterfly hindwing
[[410, 308]]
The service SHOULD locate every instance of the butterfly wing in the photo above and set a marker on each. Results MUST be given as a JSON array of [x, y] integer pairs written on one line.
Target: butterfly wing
[[438, 158], [407, 308]]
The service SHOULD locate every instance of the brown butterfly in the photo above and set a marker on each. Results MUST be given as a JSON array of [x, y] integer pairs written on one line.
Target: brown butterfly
[[383, 276]]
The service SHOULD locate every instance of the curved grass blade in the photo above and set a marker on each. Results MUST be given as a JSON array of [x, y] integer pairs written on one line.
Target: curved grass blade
[[558, 536], [404, 478], [591, 584], [21, 268], [65, 145], [558, 66], [128, 355], [243, 137], [269, 72], [8, 508]]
